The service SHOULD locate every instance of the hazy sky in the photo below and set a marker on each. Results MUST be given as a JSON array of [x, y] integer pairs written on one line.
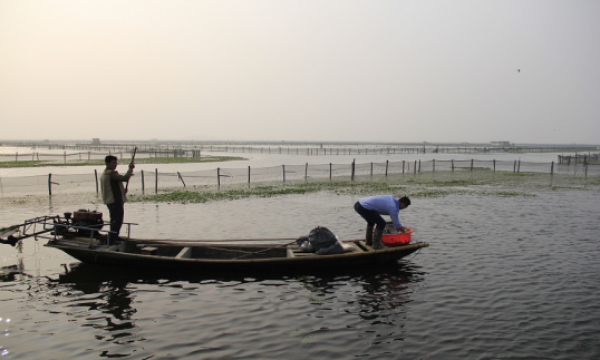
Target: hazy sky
[[436, 71]]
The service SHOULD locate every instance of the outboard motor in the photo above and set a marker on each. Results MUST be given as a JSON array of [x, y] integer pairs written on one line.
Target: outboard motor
[[88, 219]]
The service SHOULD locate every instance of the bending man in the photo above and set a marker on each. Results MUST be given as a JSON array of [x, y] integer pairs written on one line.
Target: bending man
[[371, 208], [113, 193]]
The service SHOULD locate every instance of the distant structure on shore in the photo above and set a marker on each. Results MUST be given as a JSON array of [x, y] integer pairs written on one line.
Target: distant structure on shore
[[96, 141], [500, 143]]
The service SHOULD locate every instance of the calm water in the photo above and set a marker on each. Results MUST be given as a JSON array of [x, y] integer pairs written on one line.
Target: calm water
[[257, 160], [504, 277]]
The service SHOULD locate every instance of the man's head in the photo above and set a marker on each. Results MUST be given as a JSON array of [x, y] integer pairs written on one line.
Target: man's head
[[404, 202], [111, 162]]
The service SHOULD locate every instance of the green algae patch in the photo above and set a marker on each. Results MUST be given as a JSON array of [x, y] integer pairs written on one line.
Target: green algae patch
[[153, 160], [24, 164], [333, 187]]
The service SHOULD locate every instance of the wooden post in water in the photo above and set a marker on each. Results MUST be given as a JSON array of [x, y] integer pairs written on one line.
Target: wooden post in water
[[219, 177], [402, 167], [515, 167], [96, 177], [283, 168], [387, 162], [415, 168], [156, 181], [353, 169], [494, 165], [50, 184], [419, 166], [371, 169], [329, 171], [143, 184], [248, 175], [472, 165], [306, 172], [433, 165], [181, 178], [452, 165], [552, 169]]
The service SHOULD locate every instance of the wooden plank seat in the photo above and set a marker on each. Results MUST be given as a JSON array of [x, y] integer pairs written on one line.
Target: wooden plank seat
[[185, 253]]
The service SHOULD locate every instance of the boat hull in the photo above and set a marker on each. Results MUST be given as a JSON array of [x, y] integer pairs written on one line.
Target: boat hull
[[206, 257]]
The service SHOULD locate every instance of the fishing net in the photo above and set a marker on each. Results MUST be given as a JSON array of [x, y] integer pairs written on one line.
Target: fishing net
[[474, 172]]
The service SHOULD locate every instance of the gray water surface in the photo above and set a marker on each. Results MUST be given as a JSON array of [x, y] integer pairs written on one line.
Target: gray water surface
[[503, 278]]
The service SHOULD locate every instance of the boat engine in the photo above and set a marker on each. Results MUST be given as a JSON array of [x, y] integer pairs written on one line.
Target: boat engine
[[87, 219]]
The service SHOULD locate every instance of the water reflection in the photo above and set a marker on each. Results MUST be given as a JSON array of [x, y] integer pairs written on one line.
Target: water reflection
[[381, 288], [113, 287], [122, 307]]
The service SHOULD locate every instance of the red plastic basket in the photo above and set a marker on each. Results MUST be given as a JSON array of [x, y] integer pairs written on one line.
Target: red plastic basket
[[397, 239]]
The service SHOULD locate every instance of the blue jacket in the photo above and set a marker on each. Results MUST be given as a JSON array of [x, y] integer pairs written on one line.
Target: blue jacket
[[384, 205]]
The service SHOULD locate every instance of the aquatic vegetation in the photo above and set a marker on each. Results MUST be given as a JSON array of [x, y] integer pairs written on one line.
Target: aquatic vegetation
[[421, 189], [314, 299], [449, 182], [24, 163], [295, 332], [184, 160], [150, 160], [308, 339], [521, 174], [506, 193]]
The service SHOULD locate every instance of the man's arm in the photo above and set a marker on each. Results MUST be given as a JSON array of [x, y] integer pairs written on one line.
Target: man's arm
[[118, 177], [395, 219]]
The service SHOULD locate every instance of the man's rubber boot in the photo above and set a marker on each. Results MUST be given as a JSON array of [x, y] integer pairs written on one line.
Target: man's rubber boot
[[377, 245], [369, 235]]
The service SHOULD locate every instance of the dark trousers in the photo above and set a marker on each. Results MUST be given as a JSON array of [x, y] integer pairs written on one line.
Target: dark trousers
[[117, 213], [371, 216]]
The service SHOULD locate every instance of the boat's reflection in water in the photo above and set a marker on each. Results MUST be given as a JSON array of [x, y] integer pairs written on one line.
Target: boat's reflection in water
[[383, 288], [120, 308]]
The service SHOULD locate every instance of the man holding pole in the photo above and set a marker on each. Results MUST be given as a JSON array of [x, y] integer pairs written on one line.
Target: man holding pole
[[113, 193]]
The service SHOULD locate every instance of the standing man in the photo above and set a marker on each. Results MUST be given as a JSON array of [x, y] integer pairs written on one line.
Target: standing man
[[113, 193], [371, 208]]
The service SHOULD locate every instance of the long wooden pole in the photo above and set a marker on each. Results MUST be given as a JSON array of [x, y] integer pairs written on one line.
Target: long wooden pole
[[132, 161], [96, 177]]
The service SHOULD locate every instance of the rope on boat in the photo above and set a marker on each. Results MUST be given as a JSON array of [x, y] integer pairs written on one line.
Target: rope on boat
[[183, 241], [262, 251], [230, 250], [414, 254]]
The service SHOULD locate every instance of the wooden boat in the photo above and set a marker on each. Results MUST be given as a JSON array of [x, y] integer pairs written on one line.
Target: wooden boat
[[82, 243]]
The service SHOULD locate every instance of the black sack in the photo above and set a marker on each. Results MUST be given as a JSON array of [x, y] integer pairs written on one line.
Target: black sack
[[321, 237]]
